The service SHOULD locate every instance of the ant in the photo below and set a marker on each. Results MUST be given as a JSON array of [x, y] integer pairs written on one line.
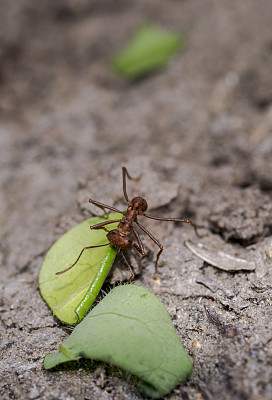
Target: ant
[[120, 237]]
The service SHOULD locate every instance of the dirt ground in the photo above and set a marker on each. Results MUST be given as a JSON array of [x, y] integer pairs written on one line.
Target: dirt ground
[[199, 132]]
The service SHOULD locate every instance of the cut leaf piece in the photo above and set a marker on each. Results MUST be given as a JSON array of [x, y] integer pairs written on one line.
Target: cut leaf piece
[[131, 329], [71, 294], [149, 50]]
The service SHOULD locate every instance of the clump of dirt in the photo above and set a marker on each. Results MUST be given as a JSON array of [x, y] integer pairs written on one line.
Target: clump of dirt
[[245, 217]]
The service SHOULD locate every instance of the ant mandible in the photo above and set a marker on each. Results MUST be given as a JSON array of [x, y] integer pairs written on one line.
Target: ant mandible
[[120, 237]]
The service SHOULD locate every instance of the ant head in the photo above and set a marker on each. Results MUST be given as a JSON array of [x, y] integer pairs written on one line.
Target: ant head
[[139, 204]]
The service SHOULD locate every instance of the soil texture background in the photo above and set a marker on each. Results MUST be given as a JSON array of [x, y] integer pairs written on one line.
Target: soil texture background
[[200, 134]]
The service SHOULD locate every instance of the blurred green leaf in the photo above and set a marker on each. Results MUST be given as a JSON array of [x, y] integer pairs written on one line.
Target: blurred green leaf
[[70, 294], [149, 50], [130, 328]]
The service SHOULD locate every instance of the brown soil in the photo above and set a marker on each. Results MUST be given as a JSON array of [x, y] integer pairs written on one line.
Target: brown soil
[[199, 131]]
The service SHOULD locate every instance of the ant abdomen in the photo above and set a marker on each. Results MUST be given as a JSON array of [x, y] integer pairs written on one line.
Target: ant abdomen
[[116, 239]]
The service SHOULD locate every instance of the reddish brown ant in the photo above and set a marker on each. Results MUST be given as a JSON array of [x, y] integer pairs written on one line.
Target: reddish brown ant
[[120, 238]]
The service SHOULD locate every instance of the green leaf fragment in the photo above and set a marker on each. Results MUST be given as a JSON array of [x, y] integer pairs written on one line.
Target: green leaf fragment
[[71, 294], [131, 329], [149, 50]]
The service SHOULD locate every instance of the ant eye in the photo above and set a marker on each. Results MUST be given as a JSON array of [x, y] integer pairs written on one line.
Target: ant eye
[[143, 205]]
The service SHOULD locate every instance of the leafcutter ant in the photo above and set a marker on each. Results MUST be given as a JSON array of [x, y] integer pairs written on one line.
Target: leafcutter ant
[[121, 237]]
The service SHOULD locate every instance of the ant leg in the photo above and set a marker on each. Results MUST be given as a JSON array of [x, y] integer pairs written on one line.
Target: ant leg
[[186, 220], [105, 229], [104, 206], [140, 248], [129, 267], [157, 243], [125, 173], [137, 248], [101, 224], [84, 248]]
